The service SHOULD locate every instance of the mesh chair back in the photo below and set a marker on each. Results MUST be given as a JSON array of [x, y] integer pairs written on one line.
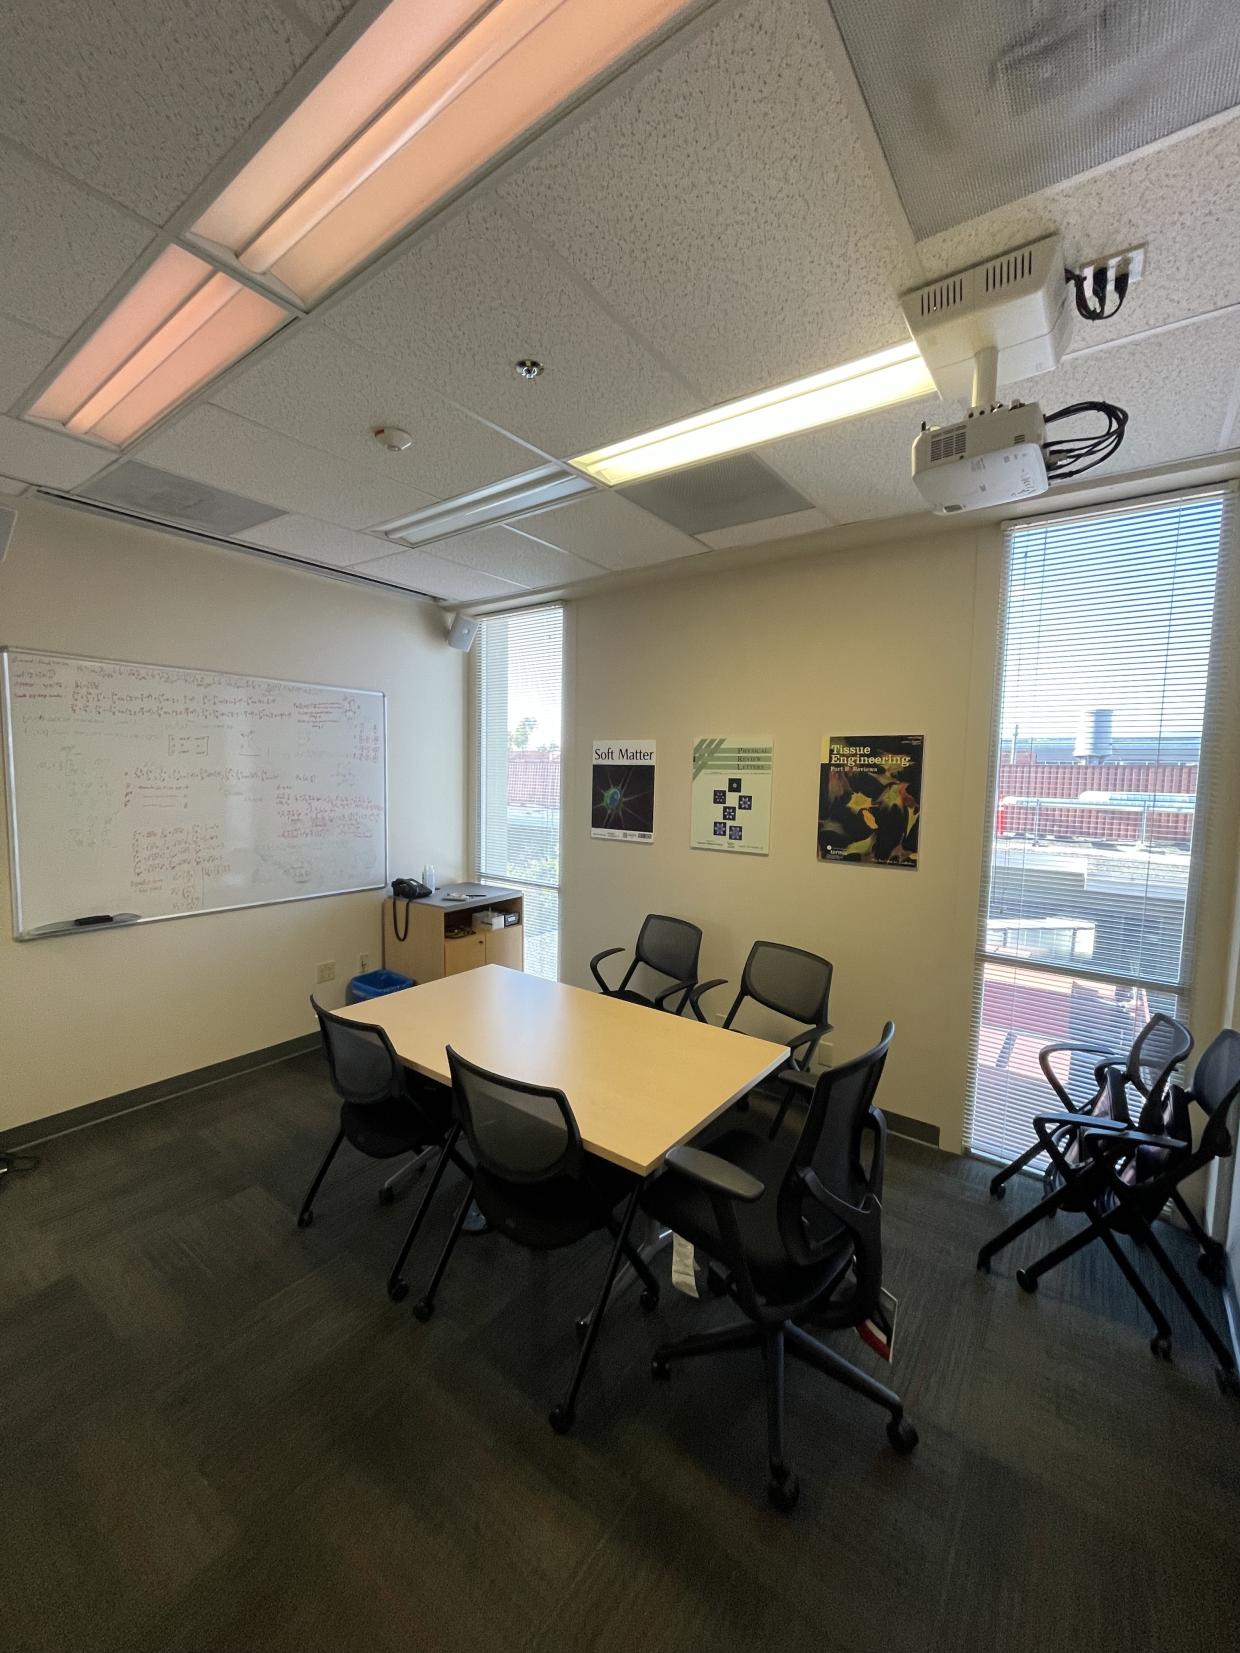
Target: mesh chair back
[[670, 946], [830, 1145], [517, 1132], [1216, 1086], [1159, 1048], [789, 981], [360, 1060]]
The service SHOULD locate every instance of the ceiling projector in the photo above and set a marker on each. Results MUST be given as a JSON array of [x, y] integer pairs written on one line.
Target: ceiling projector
[[1004, 319]]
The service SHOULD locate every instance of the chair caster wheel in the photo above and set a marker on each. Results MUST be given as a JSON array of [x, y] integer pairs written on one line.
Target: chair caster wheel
[[387, 1196], [581, 1327], [902, 1435], [398, 1290], [783, 1493], [561, 1419], [422, 1310], [1228, 1380], [1161, 1346], [649, 1300], [997, 1190], [1214, 1269], [660, 1369], [1026, 1281], [304, 1219]]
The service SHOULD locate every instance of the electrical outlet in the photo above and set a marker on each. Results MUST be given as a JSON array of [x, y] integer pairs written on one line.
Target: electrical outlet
[[1131, 262], [365, 961], [824, 1056], [325, 972]]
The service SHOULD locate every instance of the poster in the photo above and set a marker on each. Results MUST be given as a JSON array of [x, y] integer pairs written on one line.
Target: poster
[[869, 799], [730, 804], [622, 790]]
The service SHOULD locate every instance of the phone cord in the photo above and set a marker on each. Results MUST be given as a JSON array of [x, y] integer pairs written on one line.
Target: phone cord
[[400, 934]]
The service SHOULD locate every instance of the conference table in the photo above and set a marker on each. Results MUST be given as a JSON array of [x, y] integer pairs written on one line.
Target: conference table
[[639, 1081]]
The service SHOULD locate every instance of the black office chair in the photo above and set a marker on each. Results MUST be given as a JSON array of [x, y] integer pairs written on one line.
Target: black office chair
[[1155, 1053], [536, 1185], [384, 1111], [794, 984], [666, 947], [795, 1224], [1120, 1178]]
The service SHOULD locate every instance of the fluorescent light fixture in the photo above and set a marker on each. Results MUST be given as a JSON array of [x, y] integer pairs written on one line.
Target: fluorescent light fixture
[[878, 381], [426, 96], [178, 326], [501, 502]]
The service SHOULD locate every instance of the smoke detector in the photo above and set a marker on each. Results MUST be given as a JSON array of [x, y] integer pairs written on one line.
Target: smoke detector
[[392, 438]]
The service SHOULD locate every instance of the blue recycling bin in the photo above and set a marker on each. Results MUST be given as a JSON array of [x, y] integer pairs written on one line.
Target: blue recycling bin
[[375, 983]]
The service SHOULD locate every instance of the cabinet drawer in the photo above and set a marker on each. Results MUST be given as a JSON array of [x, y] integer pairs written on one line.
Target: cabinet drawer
[[463, 953]]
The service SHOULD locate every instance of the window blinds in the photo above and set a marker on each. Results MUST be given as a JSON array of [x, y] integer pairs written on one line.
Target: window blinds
[[518, 693], [1101, 763]]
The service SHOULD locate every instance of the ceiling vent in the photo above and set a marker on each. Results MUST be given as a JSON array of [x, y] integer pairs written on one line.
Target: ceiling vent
[[733, 501], [160, 497]]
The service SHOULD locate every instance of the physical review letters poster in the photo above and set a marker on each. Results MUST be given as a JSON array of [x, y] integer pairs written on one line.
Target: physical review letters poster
[[869, 799], [730, 806], [622, 790]]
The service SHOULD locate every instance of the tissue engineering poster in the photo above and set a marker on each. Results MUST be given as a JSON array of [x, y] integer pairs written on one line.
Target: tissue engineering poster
[[730, 806], [869, 799]]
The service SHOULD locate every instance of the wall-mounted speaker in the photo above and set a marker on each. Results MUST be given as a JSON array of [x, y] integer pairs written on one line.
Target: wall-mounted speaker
[[462, 633], [7, 519]]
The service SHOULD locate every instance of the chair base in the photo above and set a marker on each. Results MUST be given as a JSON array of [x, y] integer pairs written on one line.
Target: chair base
[[774, 1340]]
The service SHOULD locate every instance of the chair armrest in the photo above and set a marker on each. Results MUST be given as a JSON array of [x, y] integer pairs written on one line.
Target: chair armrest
[[1126, 1139], [796, 1079], [695, 998], [676, 987], [810, 1037], [876, 1121], [717, 1176], [1053, 1079], [607, 953]]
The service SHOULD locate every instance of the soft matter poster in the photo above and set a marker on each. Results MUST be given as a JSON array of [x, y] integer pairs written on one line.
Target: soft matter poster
[[869, 799], [730, 806], [622, 790]]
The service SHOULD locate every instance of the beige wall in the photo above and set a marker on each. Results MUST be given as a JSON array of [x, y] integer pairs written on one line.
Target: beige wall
[[890, 639], [83, 1017]]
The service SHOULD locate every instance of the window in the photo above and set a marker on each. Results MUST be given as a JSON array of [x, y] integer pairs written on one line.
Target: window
[[1101, 764], [518, 693]]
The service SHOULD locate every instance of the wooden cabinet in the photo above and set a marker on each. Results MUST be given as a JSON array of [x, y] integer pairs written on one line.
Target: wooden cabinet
[[433, 938]]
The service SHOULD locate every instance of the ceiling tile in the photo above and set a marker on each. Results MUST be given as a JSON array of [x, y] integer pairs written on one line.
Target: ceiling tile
[[317, 541], [455, 584], [24, 353], [510, 556], [460, 309], [861, 468], [609, 531], [11, 485], [142, 101], [321, 389], [724, 205], [324, 14], [64, 249], [212, 445], [976, 103], [1179, 200], [31, 454]]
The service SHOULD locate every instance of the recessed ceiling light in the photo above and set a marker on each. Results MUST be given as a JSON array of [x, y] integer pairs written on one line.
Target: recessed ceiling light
[[423, 99], [881, 380], [515, 496], [178, 326], [528, 368]]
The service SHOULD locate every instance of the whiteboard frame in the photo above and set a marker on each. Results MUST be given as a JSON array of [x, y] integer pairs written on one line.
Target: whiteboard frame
[[7, 650]]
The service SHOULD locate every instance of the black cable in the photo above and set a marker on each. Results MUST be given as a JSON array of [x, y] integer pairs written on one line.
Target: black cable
[[1094, 306], [1069, 456]]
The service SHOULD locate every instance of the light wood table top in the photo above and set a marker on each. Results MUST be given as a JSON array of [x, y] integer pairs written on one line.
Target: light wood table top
[[639, 1081]]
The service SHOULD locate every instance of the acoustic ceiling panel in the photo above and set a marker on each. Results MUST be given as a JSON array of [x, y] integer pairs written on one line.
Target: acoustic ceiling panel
[[721, 494], [32, 454], [316, 541], [418, 570], [609, 531], [147, 492], [977, 104], [24, 353]]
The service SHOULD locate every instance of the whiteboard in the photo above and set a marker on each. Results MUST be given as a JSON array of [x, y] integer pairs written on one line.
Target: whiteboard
[[159, 791]]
